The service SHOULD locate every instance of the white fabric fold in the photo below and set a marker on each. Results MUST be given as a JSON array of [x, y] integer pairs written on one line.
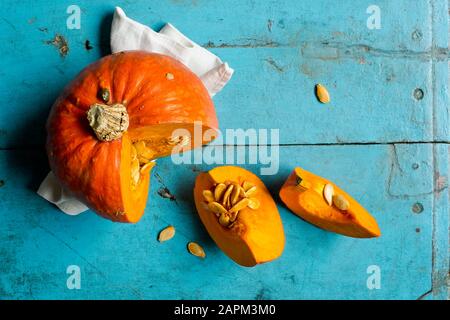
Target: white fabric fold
[[127, 34]]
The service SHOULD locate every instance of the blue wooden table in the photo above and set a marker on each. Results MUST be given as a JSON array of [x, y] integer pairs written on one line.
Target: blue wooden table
[[384, 138]]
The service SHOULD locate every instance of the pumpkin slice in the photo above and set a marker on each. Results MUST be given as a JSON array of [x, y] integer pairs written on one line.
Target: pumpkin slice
[[303, 193], [115, 118], [243, 219]]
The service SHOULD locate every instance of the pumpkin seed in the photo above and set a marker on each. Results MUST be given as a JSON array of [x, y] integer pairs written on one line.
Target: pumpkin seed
[[147, 167], [322, 93], [233, 216], [224, 219], [240, 205], [328, 192], [247, 185], [135, 171], [143, 151], [217, 208], [143, 160], [340, 202], [250, 191], [196, 250], [218, 191], [253, 203], [133, 153], [235, 195], [169, 76], [227, 194], [208, 195], [179, 140], [166, 234]]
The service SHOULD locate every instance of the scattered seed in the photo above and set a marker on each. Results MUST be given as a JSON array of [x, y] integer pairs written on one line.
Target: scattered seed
[[196, 250], [217, 208], [328, 192], [208, 195], [166, 234], [340, 202], [322, 94], [253, 203], [227, 194], [218, 191], [250, 191], [240, 205], [169, 76]]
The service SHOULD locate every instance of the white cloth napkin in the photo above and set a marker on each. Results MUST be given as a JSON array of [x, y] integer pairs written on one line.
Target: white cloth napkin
[[127, 34]]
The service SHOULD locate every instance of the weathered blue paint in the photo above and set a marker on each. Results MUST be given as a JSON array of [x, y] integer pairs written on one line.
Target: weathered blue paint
[[279, 49]]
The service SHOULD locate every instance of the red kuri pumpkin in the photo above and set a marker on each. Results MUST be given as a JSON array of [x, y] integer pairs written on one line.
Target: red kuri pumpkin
[[114, 119]]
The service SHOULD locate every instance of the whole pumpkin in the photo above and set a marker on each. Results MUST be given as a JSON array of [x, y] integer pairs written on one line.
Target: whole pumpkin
[[114, 119]]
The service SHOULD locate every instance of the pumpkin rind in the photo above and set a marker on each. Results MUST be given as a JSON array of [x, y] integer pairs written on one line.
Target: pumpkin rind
[[98, 172]]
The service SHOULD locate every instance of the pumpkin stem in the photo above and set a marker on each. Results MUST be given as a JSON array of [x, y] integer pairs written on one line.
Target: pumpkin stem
[[109, 122]]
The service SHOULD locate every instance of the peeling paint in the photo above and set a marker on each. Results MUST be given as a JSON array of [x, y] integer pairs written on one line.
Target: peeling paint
[[61, 43]]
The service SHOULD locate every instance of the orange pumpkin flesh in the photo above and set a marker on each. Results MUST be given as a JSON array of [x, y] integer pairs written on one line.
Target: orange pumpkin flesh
[[99, 172], [306, 200], [257, 235]]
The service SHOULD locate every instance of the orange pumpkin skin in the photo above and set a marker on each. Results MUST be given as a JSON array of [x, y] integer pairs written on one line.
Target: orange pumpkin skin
[[98, 172], [258, 235], [306, 200]]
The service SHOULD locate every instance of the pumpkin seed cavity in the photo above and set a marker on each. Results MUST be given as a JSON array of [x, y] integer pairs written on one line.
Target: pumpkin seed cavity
[[143, 154], [141, 161], [227, 199]]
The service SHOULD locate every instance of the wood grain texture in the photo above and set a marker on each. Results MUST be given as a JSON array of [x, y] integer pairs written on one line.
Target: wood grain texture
[[375, 139]]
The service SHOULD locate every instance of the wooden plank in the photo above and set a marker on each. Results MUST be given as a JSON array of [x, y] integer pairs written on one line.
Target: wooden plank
[[40, 242], [279, 49], [371, 74]]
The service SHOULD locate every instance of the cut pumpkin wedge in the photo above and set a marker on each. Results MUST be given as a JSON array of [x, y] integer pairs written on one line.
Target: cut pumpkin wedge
[[249, 235], [303, 194]]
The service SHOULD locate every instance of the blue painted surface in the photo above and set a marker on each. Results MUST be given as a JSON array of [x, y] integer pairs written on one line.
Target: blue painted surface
[[368, 140]]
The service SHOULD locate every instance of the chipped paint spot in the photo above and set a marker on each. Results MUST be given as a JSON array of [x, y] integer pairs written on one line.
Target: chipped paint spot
[[61, 43]]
